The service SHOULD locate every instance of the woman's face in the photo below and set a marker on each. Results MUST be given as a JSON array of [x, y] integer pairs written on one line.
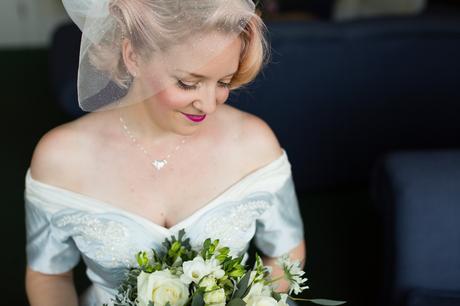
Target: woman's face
[[186, 85]]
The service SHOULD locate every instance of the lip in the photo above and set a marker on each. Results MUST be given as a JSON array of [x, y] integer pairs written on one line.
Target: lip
[[194, 118]]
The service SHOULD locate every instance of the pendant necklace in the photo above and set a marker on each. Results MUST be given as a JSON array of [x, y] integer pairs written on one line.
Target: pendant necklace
[[158, 164]]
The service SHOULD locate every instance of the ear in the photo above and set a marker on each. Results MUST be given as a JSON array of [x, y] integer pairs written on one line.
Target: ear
[[130, 58]]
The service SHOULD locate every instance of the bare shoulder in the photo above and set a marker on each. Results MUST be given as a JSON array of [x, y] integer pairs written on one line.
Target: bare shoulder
[[257, 142], [60, 153]]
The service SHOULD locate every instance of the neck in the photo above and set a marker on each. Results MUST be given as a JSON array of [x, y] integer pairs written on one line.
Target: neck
[[144, 128], [139, 121]]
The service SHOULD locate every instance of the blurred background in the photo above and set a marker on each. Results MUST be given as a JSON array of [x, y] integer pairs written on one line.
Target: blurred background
[[363, 94]]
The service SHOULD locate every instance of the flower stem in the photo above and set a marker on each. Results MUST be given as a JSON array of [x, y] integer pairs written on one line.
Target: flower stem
[[276, 279]]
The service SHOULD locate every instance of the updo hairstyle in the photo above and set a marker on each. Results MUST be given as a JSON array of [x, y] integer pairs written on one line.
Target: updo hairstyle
[[156, 25]]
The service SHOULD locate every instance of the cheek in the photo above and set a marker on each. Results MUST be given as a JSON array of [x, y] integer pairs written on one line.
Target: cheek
[[165, 95], [222, 95], [172, 98]]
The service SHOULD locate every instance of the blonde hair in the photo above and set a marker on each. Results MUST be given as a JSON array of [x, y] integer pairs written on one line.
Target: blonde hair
[[154, 25]]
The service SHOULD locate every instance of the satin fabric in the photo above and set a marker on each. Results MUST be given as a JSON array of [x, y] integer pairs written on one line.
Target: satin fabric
[[63, 226]]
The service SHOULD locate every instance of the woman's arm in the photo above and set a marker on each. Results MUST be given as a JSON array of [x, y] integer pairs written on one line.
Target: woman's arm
[[50, 290], [47, 165], [298, 253]]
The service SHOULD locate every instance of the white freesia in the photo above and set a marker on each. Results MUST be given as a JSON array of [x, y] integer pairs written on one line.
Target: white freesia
[[160, 287], [261, 300], [194, 270], [215, 268], [214, 297]]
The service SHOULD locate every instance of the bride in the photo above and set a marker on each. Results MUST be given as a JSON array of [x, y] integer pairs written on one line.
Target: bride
[[159, 150]]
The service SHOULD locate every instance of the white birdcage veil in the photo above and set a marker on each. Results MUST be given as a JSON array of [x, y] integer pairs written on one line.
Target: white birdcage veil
[[151, 26]]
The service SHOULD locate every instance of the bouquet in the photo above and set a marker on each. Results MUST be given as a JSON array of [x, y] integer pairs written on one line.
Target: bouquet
[[210, 276]]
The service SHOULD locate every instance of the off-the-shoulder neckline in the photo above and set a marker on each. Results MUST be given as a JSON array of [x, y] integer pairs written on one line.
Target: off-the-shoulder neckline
[[32, 183]]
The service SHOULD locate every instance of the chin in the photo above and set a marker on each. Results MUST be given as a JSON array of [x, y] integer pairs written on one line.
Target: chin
[[186, 130]]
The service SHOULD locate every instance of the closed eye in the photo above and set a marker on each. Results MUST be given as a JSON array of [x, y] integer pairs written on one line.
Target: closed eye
[[224, 84], [184, 86]]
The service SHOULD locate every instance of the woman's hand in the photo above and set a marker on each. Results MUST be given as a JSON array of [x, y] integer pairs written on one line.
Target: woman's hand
[[50, 290], [298, 253]]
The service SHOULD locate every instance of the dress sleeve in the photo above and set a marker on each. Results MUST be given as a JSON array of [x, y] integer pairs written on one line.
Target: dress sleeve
[[280, 228], [49, 249]]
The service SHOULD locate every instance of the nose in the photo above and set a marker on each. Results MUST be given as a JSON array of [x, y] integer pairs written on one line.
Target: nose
[[206, 102]]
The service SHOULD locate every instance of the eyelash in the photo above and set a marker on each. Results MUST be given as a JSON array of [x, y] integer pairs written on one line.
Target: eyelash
[[184, 86]]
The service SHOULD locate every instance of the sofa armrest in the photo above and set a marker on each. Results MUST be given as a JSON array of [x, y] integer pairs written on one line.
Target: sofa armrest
[[426, 297]]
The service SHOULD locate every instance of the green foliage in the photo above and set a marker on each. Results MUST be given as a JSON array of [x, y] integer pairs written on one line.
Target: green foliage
[[177, 250], [276, 296], [209, 248], [236, 302], [262, 272], [198, 299], [222, 254], [243, 286]]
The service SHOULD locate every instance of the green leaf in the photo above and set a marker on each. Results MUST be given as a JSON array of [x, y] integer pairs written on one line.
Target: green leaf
[[224, 250], [276, 296], [236, 273], [176, 246], [181, 234], [198, 299], [321, 301], [236, 302], [221, 257], [243, 286], [228, 266]]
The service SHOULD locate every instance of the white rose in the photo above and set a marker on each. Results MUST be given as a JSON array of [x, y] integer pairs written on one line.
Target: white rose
[[194, 270], [161, 287], [208, 282], [261, 300], [214, 297]]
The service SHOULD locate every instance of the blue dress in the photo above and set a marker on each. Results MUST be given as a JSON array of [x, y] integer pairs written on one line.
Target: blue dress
[[63, 226]]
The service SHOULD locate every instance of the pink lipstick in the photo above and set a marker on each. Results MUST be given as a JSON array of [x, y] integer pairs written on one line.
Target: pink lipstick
[[195, 118]]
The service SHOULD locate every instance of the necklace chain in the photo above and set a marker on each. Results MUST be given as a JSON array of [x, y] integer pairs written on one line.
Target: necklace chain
[[158, 164]]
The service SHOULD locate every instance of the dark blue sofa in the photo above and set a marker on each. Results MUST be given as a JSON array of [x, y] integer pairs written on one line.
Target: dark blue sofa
[[340, 96], [418, 197]]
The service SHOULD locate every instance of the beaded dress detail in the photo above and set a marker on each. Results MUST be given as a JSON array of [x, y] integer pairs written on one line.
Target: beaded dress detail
[[63, 226]]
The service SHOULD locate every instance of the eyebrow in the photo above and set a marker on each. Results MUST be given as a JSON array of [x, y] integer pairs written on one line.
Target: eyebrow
[[199, 76]]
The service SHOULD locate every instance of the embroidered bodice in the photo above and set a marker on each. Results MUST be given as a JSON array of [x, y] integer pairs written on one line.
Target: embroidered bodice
[[63, 226]]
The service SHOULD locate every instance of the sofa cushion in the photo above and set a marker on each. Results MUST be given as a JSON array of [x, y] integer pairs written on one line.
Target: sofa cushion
[[418, 197], [426, 297]]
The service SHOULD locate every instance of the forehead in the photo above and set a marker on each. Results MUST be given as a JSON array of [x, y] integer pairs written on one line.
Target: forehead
[[211, 53]]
